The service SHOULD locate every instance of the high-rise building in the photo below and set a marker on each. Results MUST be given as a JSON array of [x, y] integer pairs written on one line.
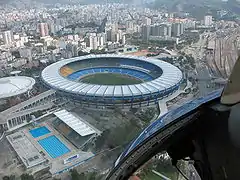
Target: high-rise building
[[124, 39], [117, 37], [7, 37], [190, 24], [52, 28], [158, 30], [43, 29], [169, 30], [147, 21], [101, 39], [120, 32], [161, 30], [93, 42], [146, 33], [115, 27], [177, 29], [111, 35], [208, 20], [137, 28], [129, 27], [73, 48]]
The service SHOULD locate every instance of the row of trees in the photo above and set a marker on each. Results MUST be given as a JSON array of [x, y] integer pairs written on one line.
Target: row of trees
[[85, 176], [153, 43], [114, 137], [73, 173], [148, 115], [22, 177], [92, 51]]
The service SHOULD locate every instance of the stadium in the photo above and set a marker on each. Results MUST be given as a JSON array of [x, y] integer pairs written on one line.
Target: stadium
[[14, 89], [113, 80]]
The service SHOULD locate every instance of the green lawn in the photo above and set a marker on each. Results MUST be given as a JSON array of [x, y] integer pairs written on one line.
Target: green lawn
[[151, 176], [110, 79]]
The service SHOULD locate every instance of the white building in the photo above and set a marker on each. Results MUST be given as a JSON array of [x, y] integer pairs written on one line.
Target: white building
[[137, 28], [7, 37], [24, 39], [114, 27], [129, 27], [101, 39], [43, 29], [147, 21], [208, 20], [93, 42], [124, 39], [117, 37]]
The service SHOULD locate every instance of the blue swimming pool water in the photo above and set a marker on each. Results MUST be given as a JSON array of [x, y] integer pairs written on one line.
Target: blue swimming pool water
[[39, 131], [53, 146]]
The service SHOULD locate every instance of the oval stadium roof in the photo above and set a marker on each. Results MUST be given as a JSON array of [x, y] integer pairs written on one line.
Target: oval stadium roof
[[170, 77], [15, 85]]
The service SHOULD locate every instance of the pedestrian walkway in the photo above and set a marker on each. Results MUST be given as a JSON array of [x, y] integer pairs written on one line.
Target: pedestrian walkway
[[163, 103]]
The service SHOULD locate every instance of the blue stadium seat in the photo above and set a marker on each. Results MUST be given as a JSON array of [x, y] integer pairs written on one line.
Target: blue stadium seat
[[127, 71]]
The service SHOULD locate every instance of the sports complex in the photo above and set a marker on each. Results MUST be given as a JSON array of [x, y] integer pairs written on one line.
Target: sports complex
[[113, 80]]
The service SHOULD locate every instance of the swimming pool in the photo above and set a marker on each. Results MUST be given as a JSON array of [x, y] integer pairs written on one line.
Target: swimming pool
[[39, 131], [53, 146]]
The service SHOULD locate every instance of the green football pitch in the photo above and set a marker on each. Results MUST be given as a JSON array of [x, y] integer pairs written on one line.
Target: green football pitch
[[110, 79]]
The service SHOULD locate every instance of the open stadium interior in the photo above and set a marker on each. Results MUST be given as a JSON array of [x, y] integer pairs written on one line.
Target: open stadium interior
[[113, 80]]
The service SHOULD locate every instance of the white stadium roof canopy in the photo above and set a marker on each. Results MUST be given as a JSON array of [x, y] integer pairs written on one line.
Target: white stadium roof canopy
[[78, 125], [15, 85], [170, 77]]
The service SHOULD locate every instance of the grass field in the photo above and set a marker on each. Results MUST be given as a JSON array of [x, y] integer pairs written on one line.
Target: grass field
[[110, 79], [152, 176]]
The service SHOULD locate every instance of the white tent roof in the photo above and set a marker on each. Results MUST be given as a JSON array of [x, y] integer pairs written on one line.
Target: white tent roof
[[15, 85], [82, 128]]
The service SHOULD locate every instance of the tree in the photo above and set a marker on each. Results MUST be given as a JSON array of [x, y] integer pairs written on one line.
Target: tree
[[12, 177], [102, 139], [81, 53], [51, 48], [6, 178], [92, 176], [96, 51], [76, 176], [26, 177]]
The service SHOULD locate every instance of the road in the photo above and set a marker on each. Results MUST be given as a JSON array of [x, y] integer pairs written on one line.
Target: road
[[204, 79], [202, 72]]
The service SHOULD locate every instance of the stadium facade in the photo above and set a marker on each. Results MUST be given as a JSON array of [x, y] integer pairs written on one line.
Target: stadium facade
[[159, 79]]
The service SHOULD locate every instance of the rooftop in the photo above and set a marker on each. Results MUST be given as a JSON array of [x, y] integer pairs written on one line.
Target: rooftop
[[15, 85], [27, 152], [170, 77], [76, 123]]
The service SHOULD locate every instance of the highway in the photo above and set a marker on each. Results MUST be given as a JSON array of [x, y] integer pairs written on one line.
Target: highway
[[203, 74], [204, 79]]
